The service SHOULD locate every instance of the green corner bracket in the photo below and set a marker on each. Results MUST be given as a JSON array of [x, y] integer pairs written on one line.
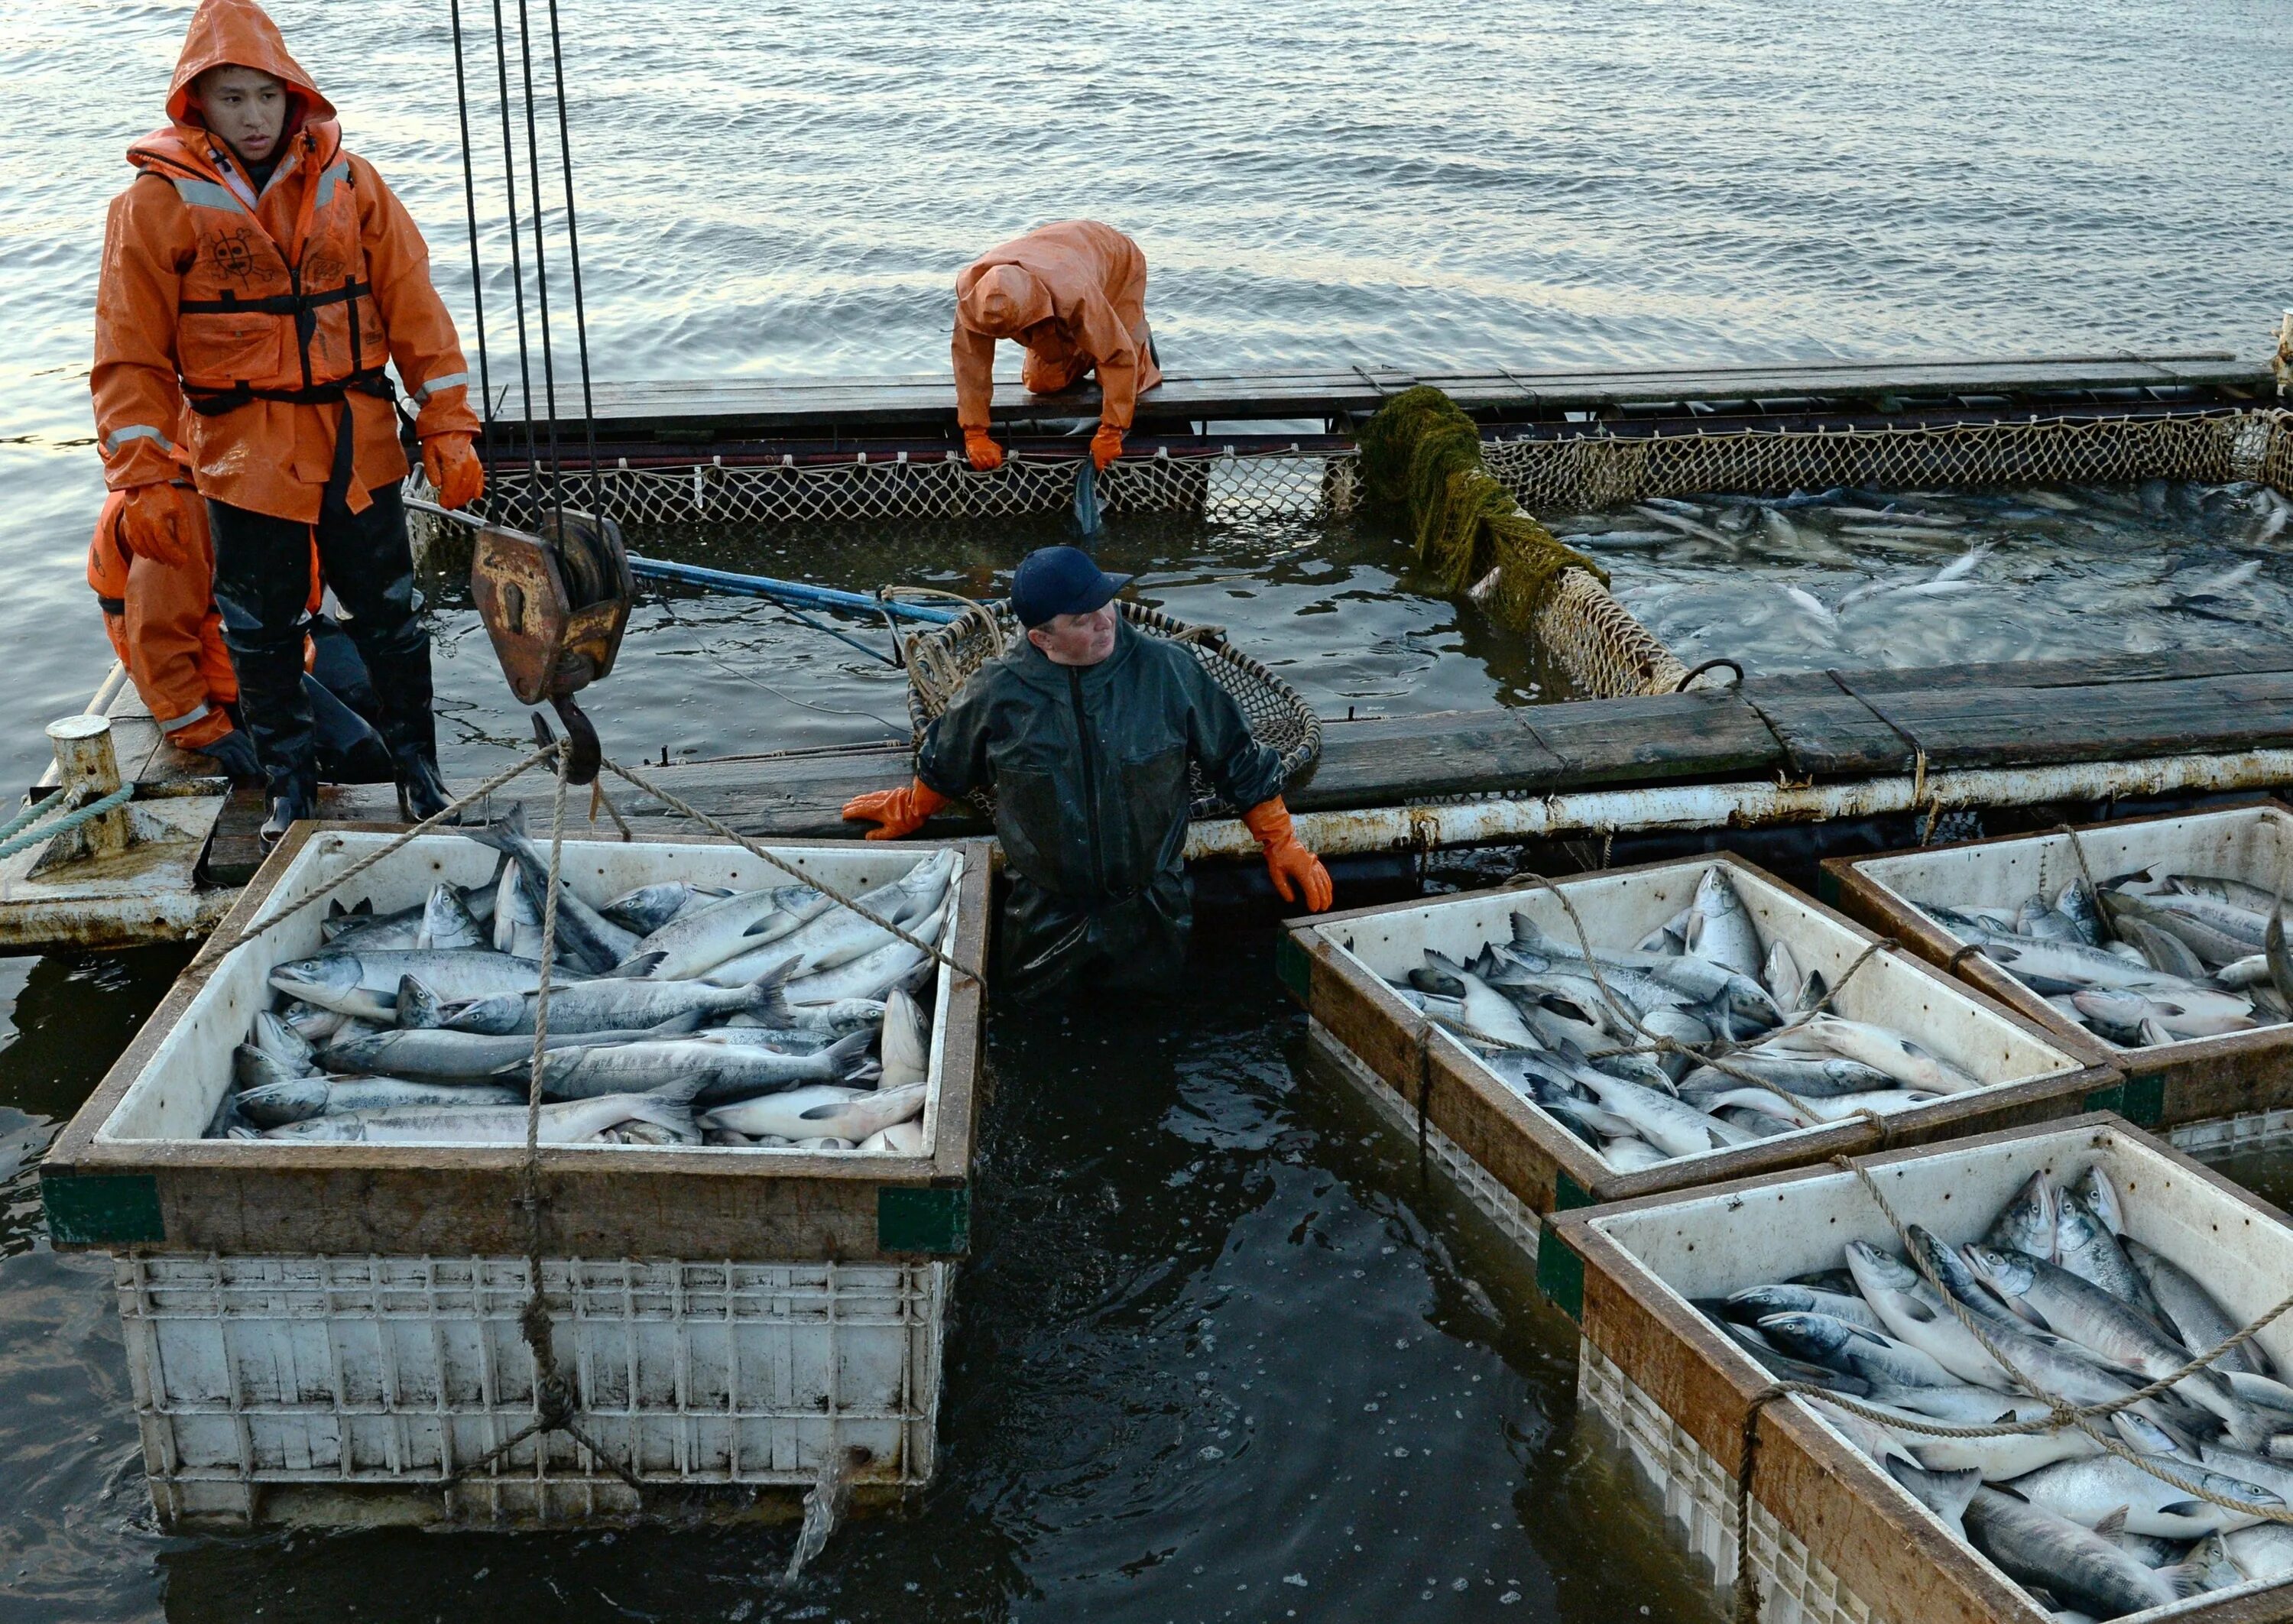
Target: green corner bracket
[[102, 1209], [1292, 967], [911, 1219]]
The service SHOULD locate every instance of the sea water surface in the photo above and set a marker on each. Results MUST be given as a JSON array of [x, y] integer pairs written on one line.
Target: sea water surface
[[1217, 1355]]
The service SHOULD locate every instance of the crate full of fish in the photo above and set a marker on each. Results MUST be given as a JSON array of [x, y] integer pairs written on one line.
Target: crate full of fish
[[1722, 1024], [754, 1149], [2006, 1281], [2156, 953]]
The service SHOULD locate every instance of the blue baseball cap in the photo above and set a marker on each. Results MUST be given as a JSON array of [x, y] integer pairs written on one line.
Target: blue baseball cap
[[1054, 581]]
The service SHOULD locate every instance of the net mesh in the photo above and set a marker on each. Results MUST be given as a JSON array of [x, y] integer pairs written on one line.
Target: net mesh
[[1261, 484], [1588, 642], [1593, 472], [942, 659]]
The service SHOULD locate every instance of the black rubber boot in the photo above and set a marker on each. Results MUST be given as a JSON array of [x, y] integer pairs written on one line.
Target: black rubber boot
[[421, 792]]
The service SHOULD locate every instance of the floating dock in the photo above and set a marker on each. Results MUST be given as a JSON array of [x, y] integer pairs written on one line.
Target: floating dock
[[1845, 749]]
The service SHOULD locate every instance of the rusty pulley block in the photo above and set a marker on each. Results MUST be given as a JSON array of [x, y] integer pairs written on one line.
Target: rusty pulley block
[[555, 604]]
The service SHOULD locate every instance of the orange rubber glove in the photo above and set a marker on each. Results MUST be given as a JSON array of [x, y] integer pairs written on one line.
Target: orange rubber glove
[[1291, 866], [157, 524], [986, 457], [1105, 446], [452, 468], [899, 812]]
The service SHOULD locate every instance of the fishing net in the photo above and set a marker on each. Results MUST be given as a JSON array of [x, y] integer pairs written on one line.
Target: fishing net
[[1215, 485], [1423, 453], [1588, 471], [1462, 490], [943, 659]]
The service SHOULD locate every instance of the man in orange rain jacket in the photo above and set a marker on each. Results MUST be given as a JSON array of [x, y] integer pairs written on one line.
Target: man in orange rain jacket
[[1074, 296], [260, 271]]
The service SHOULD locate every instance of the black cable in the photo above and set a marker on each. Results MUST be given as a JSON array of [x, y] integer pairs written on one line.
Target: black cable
[[574, 253], [540, 271], [516, 267], [470, 202]]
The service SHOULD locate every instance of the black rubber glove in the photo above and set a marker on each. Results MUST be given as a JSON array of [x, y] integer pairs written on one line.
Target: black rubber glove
[[234, 753]]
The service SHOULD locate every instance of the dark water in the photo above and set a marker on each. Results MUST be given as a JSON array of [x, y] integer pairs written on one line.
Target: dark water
[[1167, 1214]]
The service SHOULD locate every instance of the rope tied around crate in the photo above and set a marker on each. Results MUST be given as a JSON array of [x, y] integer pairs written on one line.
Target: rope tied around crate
[[2060, 1414], [2093, 892]]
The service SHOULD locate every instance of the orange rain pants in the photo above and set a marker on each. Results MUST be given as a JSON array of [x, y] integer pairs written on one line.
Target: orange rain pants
[[1074, 295], [275, 313], [163, 625]]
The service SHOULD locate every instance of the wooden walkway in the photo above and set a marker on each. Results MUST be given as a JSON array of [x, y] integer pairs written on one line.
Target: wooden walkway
[[1821, 725], [686, 410]]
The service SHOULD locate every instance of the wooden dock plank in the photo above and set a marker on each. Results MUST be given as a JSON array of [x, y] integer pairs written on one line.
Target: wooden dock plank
[[725, 405], [1847, 727], [1997, 727]]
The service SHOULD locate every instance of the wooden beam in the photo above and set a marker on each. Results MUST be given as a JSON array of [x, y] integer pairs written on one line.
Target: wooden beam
[[704, 407]]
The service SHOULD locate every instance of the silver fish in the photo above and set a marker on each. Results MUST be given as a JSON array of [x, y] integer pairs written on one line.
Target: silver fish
[[2085, 1245], [803, 1113], [2027, 1223], [1945, 1493], [1999, 1457], [592, 937], [447, 922], [875, 974], [840, 935], [2190, 1309], [2060, 1301], [716, 935], [1488, 1011], [648, 908], [1721, 928], [2086, 1492], [1809, 1112], [2078, 1565], [1878, 1358], [1753, 1303], [365, 984], [567, 1124], [303, 1098], [1810, 1078], [1909, 1063], [618, 1002], [1912, 1313], [441, 1054], [283, 1043], [906, 1043], [1673, 1125], [2265, 1552], [251, 1068], [723, 1071]]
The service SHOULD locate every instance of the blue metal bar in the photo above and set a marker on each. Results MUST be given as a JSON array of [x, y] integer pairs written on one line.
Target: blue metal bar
[[784, 592]]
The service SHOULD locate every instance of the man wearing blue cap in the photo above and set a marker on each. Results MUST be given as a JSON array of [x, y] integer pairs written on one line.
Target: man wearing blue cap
[[1085, 732]]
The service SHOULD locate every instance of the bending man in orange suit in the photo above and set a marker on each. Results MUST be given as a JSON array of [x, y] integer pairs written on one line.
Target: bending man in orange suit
[[1073, 295], [256, 270]]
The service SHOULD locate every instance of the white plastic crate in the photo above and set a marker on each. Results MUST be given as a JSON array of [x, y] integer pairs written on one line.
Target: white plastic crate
[[277, 1378], [2219, 1138], [1494, 1202], [1700, 1500]]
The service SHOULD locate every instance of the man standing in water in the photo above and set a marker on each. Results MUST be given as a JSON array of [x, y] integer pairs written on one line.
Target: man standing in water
[[1085, 732], [1073, 295], [256, 270]]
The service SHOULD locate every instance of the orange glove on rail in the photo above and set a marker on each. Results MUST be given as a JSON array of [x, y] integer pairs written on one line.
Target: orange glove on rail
[[1105, 446], [899, 812], [157, 524], [453, 469], [979, 446], [1291, 866]]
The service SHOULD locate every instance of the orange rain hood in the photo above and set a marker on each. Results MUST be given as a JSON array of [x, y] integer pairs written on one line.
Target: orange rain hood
[[240, 33]]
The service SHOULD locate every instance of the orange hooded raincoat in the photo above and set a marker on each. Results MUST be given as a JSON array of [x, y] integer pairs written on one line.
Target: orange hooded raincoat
[[273, 315], [1074, 295]]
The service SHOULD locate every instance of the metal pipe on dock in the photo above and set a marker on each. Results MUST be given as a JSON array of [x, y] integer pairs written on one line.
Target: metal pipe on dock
[[1747, 805]]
